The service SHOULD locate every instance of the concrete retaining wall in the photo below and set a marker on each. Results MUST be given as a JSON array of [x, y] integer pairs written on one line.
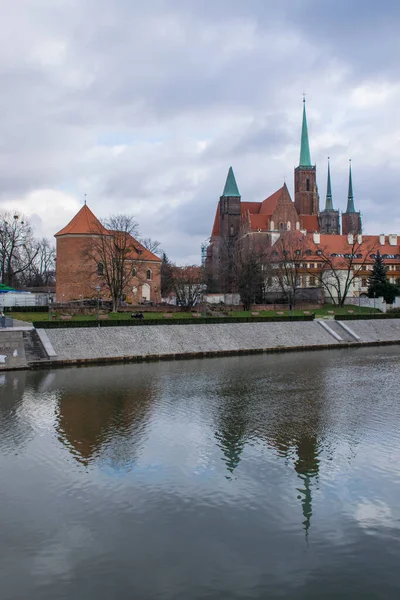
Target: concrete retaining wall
[[159, 342]]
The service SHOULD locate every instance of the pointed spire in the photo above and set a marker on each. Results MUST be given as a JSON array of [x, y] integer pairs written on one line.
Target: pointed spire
[[350, 198], [329, 203], [231, 188], [305, 158]]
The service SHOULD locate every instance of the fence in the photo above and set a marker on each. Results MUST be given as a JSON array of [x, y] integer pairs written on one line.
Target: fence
[[11, 299]]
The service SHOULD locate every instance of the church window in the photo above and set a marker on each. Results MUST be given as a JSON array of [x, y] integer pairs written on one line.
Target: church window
[[308, 184], [281, 226], [148, 274], [134, 272], [100, 269]]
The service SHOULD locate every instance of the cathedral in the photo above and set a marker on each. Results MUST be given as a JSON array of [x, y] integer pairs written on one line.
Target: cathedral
[[325, 230]]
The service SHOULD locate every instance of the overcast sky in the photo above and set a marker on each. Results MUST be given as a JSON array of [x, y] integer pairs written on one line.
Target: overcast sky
[[144, 105]]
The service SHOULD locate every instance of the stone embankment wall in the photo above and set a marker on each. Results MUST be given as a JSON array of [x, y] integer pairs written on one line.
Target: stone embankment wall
[[179, 341], [160, 342]]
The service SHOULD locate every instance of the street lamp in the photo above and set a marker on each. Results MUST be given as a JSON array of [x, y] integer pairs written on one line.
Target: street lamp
[[204, 289], [49, 304], [359, 297], [98, 302]]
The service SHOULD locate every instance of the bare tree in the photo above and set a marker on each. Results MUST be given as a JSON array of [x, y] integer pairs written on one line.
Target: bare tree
[[18, 248], [339, 269], [251, 269], [41, 271], [113, 253], [167, 276], [152, 246], [287, 255], [187, 284]]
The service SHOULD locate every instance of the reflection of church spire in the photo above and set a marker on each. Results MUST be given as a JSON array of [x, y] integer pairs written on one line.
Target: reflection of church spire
[[231, 441], [307, 467]]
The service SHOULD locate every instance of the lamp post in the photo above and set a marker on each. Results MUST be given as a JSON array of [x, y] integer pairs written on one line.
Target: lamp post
[[359, 297], [49, 304], [98, 303], [204, 289]]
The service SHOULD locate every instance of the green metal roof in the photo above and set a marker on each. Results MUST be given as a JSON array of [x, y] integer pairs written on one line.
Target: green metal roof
[[329, 203], [231, 188], [350, 198], [305, 158]]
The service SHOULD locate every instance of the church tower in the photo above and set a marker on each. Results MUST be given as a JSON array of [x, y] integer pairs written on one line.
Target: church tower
[[329, 217], [351, 220], [306, 198], [229, 208]]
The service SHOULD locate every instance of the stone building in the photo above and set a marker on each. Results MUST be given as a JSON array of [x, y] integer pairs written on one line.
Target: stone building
[[78, 274]]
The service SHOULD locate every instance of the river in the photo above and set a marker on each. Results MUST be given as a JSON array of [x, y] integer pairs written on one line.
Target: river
[[274, 476]]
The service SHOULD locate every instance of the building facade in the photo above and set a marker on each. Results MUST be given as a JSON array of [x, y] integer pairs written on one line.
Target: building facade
[[79, 272], [323, 230]]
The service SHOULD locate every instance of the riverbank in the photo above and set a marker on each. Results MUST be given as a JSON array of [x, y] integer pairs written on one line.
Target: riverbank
[[45, 348]]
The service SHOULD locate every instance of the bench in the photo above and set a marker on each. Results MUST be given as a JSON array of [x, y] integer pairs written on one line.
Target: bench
[[350, 311], [278, 312], [66, 317], [103, 317], [167, 315], [255, 314], [196, 315]]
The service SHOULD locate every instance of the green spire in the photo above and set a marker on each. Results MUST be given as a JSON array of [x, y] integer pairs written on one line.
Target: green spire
[[350, 197], [231, 188], [329, 203], [305, 158]]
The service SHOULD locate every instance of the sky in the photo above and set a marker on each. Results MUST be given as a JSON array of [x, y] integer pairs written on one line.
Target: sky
[[144, 105]]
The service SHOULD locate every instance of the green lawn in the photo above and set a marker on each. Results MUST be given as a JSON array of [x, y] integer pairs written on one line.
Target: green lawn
[[43, 316]]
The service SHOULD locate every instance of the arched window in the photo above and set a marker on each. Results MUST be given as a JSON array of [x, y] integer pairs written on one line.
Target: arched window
[[134, 272], [308, 184], [100, 269], [281, 226], [148, 274]]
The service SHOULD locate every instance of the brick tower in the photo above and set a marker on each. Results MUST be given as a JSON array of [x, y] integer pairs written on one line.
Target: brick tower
[[351, 220], [229, 208], [306, 198]]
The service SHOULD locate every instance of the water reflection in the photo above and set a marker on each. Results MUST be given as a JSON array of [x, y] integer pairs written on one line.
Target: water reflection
[[97, 422], [227, 466]]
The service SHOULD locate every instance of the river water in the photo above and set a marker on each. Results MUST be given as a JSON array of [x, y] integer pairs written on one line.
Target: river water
[[252, 477]]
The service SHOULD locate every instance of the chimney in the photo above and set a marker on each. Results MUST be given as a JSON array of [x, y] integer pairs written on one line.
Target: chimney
[[393, 239], [316, 238], [382, 239], [359, 238], [350, 239]]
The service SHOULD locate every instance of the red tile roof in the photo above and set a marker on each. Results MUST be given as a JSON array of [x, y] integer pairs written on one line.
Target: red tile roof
[[268, 206], [84, 222]]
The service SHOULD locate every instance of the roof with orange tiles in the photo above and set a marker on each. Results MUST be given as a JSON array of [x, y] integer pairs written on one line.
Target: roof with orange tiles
[[268, 206], [84, 222]]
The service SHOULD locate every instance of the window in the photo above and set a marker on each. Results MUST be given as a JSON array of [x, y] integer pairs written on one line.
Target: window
[[231, 230], [100, 269], [312, 266], [312, 281], [363, 282], [134, 272], [319, 265], [308, 252], [308, 184], [148, 274]]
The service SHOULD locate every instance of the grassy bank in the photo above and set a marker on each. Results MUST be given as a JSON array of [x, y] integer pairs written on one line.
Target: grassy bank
[[325, 311]]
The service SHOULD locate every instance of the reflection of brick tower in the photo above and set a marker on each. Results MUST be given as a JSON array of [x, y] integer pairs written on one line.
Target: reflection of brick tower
[[351, 220], [329, 217], [306, 199]]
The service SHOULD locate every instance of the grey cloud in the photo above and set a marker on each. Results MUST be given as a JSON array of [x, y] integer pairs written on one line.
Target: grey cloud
[[187, 89]]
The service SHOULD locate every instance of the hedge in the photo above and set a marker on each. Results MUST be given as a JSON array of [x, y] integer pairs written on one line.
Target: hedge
[[183, 321], [28, 309], [364, 317]]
